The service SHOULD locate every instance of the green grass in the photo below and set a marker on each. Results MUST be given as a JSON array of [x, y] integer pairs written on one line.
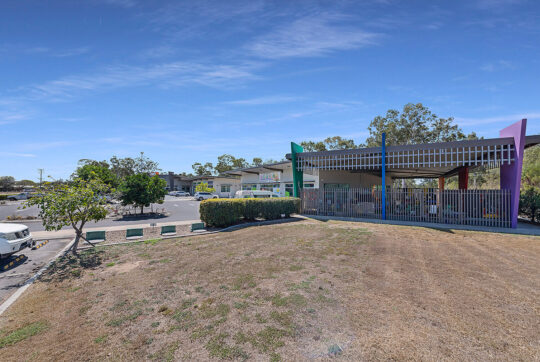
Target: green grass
[[23, 333], [110, 264], [296, 267], [208, 311], [152, 241], [244, 282], [100, 339], [119, 321], [217, 347]]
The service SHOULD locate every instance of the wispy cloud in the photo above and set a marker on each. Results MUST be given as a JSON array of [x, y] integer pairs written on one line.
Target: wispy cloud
[[25, 50], [495, 5], [8, 117], [196, 18], [16, 154], [264, 100], [121, 3], [499, 119], [497, 66], [71, 52], [311, 36], [161, 75]]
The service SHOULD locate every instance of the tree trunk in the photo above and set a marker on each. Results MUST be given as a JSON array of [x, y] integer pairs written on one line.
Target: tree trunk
[[76, 243], [142, 209]]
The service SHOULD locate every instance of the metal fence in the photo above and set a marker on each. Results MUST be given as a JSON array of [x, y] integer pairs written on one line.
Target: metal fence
[[462, 207]]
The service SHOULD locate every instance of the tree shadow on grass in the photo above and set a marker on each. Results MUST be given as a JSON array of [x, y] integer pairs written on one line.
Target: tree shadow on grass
[[71, 266]]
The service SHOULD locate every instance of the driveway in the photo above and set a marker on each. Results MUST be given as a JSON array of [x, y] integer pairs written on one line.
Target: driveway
[[25, 264], [179, 208]]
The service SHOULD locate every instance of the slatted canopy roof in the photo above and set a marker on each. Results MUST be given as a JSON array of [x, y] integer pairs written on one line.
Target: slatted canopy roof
[[417, 161], [268, 167]]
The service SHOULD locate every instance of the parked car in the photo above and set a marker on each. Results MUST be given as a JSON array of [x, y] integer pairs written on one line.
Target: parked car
[[199, 196], [179, 193], [21, 196], [14, 238], [246, 194]]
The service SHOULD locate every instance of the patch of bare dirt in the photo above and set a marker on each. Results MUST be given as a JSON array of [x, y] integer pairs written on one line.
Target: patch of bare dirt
[[299, 291]]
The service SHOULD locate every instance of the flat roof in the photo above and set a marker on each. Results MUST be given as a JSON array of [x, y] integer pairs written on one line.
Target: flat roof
[[418, 160], [268, 167]]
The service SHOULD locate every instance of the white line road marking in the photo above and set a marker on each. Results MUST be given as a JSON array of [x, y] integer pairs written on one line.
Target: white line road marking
[[176, 205]]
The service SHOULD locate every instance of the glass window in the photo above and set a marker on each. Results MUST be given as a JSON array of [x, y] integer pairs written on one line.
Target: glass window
[[249, 186], [309, 186], [225, 188]]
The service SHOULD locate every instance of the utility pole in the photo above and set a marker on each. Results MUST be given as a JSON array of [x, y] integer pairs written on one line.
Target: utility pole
[[40, 176]]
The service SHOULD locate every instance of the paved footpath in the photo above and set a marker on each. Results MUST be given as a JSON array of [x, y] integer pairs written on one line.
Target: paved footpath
[[18, 268], [70, 233]]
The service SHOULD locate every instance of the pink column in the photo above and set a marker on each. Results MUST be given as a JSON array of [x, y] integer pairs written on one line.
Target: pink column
[[511, 174]]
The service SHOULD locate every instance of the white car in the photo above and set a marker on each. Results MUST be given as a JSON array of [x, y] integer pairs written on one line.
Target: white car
[[21, 196], [14, 238], [199, 196], [179, 193], [257, 194]]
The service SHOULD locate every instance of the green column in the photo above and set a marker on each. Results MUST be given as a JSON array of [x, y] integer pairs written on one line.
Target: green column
[[298, 176]]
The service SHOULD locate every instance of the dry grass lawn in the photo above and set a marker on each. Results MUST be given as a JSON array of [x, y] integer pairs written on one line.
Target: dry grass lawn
[[295, 291]]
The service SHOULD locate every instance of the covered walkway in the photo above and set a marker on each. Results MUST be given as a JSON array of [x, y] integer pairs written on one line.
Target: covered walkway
[[353, 182]]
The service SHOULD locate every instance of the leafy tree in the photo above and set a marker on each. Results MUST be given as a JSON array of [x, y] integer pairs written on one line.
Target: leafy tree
[[26, 183], [203, 187], [90, 169], [531, 168], [257, 161], [74, 204], [142, 190], [529, 203], [123, 167], [330, 143], [203, 170], [240, 163], [225, 163], [7, 182], [228, 162], [415, 124]]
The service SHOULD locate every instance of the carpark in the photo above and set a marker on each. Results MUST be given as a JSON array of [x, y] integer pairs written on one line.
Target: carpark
[[177, 208], [19, 267]]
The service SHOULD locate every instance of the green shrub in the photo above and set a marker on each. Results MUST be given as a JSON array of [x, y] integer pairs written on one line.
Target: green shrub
[[225, 212], [529, 203]]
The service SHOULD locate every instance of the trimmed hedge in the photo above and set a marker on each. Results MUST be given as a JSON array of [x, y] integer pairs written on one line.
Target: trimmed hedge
[[225, 212]]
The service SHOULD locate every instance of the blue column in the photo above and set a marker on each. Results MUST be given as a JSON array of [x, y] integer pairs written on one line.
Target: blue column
[[383, 158]]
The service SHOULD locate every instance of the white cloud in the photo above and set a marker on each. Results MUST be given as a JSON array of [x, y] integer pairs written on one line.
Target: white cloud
[[496, 5], [310, 36], [264, 100], [497, 66], [16, 154], [499, 119], [71, 52], [167, 74], [121, 3]]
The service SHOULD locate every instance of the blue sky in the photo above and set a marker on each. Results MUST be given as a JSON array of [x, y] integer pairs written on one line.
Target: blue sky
[[186, 81]]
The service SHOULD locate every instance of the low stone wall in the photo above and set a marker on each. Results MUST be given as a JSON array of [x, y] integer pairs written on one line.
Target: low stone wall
[[116, 236]]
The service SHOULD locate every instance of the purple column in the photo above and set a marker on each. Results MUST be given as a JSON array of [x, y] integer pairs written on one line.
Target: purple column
[[511, 174]]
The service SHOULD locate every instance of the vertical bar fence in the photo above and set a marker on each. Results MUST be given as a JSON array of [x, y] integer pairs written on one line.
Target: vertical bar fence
[[460, 207]]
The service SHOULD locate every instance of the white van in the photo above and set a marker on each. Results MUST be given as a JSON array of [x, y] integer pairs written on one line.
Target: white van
[[247, 194], [14, 238]]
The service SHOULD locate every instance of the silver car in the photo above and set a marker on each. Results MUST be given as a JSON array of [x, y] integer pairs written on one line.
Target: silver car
[[199, 196]]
